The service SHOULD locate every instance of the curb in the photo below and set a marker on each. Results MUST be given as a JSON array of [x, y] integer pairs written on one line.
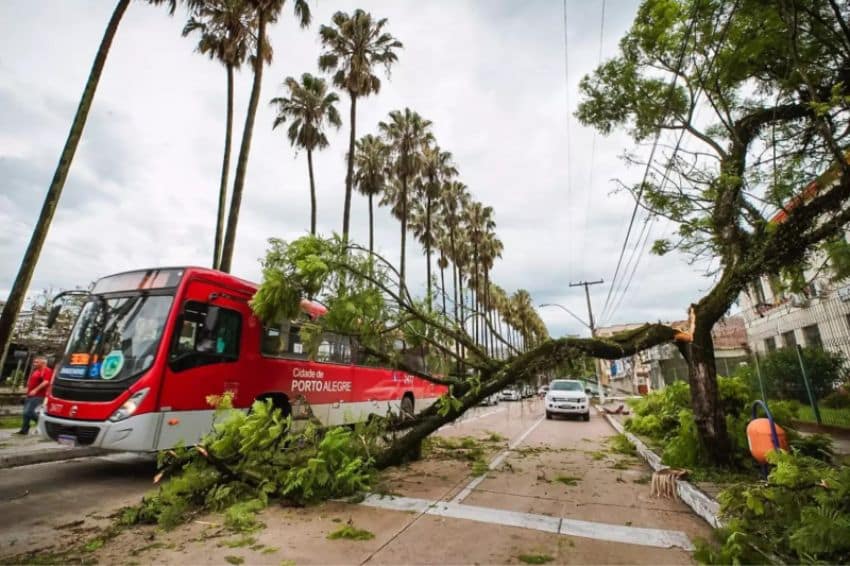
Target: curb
[[44, 456], [701, 504]]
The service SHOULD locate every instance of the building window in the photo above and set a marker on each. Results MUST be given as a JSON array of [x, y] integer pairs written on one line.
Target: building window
[[770, 344], [811, 334], [789, 339]]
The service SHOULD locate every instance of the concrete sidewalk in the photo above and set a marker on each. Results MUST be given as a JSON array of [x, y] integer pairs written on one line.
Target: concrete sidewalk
[[18, 450]]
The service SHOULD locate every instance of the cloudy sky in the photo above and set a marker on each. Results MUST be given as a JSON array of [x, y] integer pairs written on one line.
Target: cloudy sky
[[490, 74]]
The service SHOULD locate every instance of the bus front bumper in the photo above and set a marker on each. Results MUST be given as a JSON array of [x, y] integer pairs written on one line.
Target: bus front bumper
[[136, 434]]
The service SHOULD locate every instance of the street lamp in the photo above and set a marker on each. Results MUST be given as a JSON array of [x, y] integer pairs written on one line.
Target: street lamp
[[593, 335]]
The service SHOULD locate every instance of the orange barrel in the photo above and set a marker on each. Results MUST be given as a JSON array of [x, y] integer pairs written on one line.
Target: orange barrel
[[760, 441]]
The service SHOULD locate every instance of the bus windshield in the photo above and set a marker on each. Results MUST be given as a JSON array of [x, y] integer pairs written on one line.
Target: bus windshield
[[115, 338]]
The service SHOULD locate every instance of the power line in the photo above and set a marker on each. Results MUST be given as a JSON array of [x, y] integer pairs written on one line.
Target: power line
[[589, 190], [680, 60], [567, 100], [667, 168]]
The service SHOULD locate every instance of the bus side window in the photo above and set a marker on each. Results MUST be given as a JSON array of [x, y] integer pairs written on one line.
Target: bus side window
[[282, 340], [208, 334]]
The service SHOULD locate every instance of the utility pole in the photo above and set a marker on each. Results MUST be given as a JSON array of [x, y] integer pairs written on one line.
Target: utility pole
[[592, 326]]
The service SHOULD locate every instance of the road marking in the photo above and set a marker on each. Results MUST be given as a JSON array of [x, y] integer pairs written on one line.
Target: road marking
[[658, 538], [495, 463]]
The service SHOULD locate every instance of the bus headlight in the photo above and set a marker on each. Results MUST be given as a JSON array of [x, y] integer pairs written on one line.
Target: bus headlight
[[130, 405]]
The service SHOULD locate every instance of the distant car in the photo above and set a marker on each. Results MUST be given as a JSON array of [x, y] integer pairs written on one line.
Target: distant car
[[567, 397], [510, 394], [541, 391], [490, 400], [527, 391]]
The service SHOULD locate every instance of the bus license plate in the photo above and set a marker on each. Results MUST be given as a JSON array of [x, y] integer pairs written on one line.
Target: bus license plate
[[67, 440]]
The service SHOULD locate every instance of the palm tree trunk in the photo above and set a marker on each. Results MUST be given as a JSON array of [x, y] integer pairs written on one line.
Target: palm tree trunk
[[225, 170], [371, 228], [443, 282], [312, 193], [22, 281], [244, 150], [403, 228], [428, 248], [349, 175]]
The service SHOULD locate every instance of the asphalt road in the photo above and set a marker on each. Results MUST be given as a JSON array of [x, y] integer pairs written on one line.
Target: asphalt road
[[35, 500]]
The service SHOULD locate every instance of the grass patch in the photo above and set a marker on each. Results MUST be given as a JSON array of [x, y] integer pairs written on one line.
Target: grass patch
[[833, 417], [621, 445], [568, 480], [495, 437], [597, 455], [239, 542], [535, 558], [270, 550], [480, 467], [11, 421], [234, 559], [350, 532], [94, 544]]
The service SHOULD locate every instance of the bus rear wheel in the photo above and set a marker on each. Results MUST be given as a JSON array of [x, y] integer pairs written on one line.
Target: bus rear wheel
[[278, 402]]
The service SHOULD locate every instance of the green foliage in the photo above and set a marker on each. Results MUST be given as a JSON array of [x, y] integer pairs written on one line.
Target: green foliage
[[665, 417], [783, 379], [837, 400], [568, 480], [236, 560], [248, 460], [621, 445], [801, 515], [350, 532], [480, 467]]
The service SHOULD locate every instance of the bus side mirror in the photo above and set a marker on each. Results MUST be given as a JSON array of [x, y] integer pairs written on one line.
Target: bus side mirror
[[52, 315]]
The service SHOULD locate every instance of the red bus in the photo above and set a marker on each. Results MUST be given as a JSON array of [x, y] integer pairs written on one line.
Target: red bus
[[150, 346]]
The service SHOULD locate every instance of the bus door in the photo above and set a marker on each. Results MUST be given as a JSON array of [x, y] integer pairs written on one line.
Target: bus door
[[203, 360]]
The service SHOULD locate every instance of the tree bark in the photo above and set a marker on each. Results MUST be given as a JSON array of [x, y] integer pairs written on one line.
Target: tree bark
[[244, 150], [371, 228], [428, 248], [22, 281], [225, 171], [402, 283], [705, 400], [443, 283], [312, 193], [349, 174]]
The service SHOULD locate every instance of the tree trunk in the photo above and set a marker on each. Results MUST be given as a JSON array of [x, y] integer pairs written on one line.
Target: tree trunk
[[428, 248], [403, 229], [443, 283], [312, 193], [22, 281], [349, 174], [371, 228], [225, 171], [244, 150], [705, 401]]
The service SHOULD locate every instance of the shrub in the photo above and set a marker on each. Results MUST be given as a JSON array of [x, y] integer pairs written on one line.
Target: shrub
[[839, 399], [782, 378]]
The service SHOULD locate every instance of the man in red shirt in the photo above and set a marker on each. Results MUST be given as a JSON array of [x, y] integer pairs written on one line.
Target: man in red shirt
[[36, 390]]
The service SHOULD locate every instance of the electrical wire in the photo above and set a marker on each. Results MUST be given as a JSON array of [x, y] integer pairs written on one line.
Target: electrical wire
[[671, 89]]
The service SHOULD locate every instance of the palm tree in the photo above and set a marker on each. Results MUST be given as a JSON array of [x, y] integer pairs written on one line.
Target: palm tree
[[490, 249], [437, 167], [479, 222], [310, 106], [227, 33], [406, 133], [265, 12], [370, 175], [452, 200], [354, 46], [17, 293]]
